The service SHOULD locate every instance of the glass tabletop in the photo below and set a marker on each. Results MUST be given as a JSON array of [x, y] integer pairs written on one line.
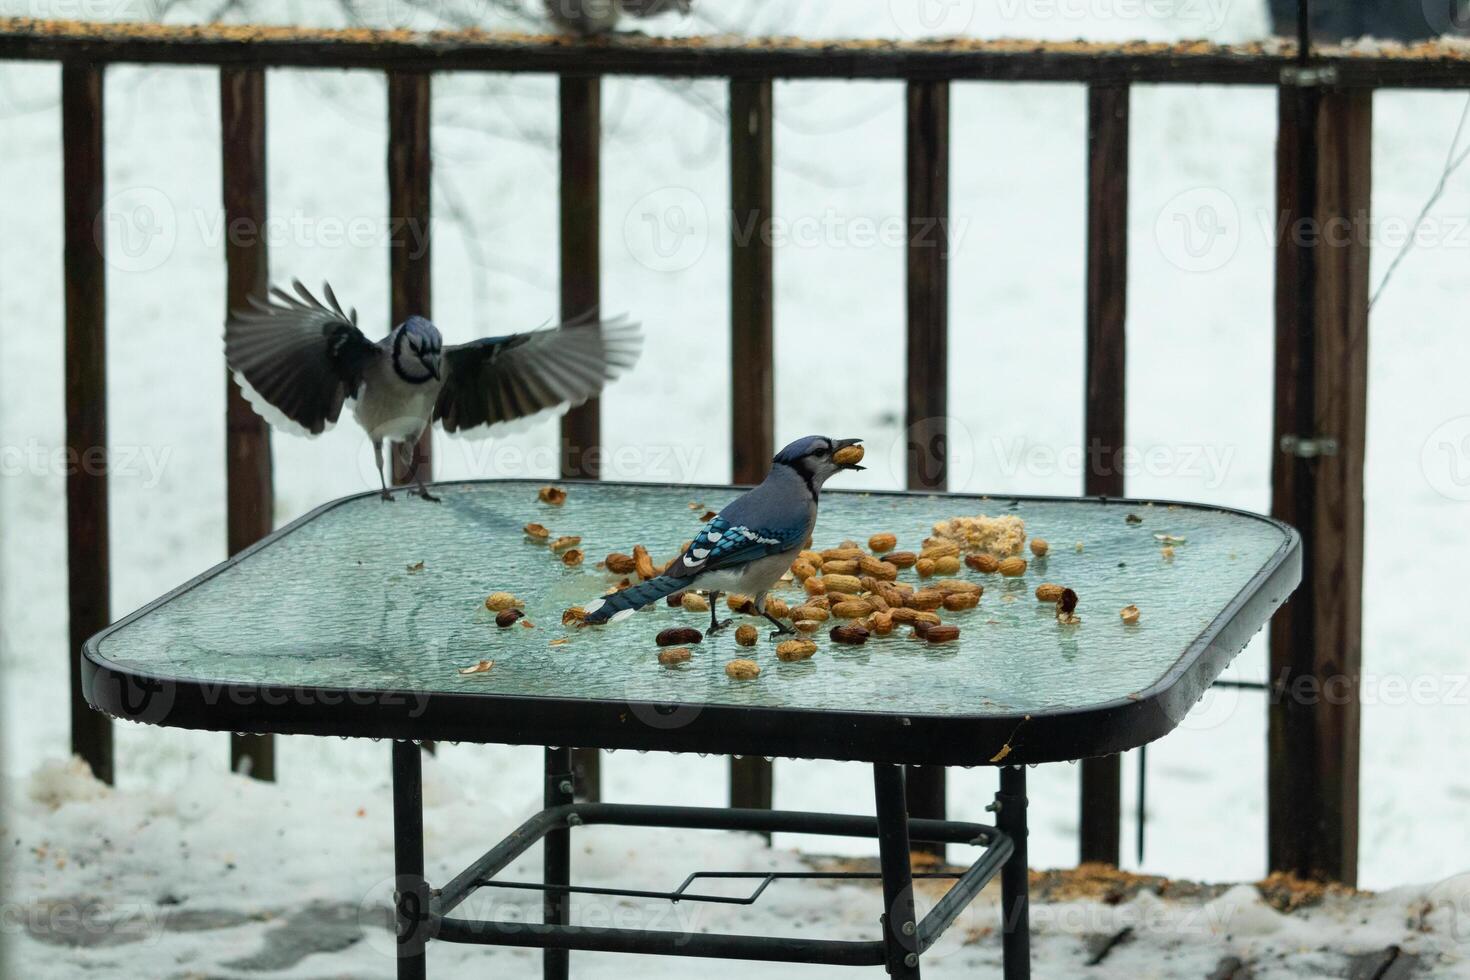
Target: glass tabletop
[[367, 595]]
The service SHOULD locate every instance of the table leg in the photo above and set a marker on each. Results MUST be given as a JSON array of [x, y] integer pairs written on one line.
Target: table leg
[[556, 907], [1015, 888], [900, 934], [411, 891]]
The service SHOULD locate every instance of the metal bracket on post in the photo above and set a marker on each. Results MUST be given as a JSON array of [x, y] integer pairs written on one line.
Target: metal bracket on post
[[559, 784], [1309, 76], [1308, 447]]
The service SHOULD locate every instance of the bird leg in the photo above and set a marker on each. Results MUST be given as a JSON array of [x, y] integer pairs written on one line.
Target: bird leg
[[386, 494], [781, 628], [415, 461], [714, 624]]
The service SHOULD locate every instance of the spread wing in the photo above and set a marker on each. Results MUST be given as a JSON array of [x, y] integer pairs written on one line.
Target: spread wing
[[503, 379], [296, 358], [723, 544]]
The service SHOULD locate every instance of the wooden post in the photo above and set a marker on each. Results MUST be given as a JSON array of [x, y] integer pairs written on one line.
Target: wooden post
[[927, 403], [752, 345], [88, 580], [1107, 304], [250, 501], [409, 174], [1324, 181], [581, 292]]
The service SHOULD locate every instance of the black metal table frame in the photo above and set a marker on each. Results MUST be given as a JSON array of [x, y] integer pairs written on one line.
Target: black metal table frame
[[423, 914]]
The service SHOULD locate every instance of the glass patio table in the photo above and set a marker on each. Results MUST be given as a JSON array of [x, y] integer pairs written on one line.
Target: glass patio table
[[368, 619]]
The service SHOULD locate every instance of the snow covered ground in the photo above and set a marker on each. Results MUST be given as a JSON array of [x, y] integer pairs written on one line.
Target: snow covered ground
[[1199, 395], [177, 885]]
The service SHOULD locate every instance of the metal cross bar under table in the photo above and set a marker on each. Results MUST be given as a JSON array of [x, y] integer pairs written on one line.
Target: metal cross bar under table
[[903, 937]]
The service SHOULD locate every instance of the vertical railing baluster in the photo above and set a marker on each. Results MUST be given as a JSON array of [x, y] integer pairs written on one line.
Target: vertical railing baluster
[[926, 410], [752, 322], [410, 174], [88, 571], [1105, 402], [580, 100], [1323, 193], [250, 500]]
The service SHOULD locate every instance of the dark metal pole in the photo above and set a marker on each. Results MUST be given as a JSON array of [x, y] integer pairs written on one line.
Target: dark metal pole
[[411, 891], [1142, 799], [88, 562], [1015, 886], [900, 931], [557, 858]]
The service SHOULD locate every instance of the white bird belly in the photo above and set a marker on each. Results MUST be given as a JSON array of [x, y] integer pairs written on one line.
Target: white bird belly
[[389, 408], [751, 579]]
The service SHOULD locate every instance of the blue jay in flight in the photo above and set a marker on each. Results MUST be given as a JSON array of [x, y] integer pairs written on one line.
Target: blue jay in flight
[[750, 544], [298, 360]]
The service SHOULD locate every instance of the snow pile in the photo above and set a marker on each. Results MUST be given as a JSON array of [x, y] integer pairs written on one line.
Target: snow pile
[[55, 783]]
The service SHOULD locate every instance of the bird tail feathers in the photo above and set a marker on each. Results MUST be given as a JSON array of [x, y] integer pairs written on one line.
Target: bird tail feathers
[[621, 605]]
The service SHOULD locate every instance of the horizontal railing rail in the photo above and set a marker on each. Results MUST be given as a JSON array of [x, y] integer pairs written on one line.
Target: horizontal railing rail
[[1427, 65]]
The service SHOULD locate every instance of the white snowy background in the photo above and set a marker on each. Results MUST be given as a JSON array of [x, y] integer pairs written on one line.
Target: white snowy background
[[180, 828]]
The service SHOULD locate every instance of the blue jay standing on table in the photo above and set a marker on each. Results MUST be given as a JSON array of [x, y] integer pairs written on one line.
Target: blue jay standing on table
[[590, 17], [298, 360], [750, 544]]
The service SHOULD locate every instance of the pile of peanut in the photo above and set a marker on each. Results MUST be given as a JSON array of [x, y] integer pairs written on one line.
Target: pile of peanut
[[851, 591]]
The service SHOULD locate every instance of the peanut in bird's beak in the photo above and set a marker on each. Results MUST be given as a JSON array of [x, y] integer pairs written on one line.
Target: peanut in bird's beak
[[848, 454]]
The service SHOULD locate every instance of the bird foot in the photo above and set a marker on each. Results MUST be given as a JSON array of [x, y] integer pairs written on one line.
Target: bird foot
[[716, 627], [386, 495], [783, 631], [424, 493]]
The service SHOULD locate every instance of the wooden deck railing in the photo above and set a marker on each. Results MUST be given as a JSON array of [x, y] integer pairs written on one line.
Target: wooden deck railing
[[249, 478], [1321, 311]]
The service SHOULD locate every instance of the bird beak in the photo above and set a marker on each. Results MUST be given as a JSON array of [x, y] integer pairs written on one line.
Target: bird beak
[[843, 444], [433, 365]]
